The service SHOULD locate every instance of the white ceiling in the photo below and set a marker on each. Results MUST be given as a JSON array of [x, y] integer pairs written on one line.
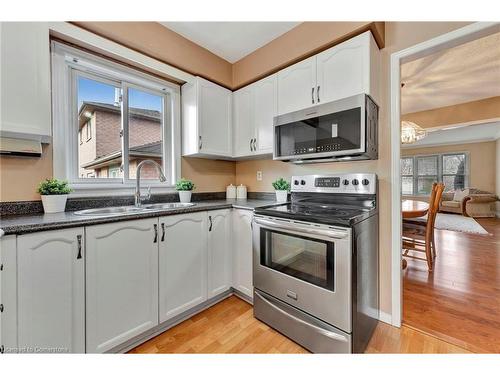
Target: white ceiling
[[465, 73], [230, 40], [458, 135]]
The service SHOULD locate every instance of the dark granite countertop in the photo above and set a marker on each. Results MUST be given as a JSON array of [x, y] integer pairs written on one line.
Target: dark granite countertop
[[19, 224]]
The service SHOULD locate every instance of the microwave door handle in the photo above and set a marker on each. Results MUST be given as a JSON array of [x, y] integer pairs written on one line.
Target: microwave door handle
[[320, 330], [294, 228]]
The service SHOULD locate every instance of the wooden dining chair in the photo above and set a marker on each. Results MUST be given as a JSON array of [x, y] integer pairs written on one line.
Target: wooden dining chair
[[418, 233]]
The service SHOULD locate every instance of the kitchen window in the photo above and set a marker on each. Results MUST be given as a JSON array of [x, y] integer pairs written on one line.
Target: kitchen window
[[108, 118], [418, 173]]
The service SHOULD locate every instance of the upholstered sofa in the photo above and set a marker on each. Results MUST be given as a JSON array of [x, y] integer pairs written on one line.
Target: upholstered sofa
[[469, 202]]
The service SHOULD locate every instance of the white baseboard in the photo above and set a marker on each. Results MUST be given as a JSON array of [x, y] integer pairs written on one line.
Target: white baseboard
[[385, 317]]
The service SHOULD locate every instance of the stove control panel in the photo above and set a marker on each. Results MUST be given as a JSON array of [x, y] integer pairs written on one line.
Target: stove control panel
[[352, 183]]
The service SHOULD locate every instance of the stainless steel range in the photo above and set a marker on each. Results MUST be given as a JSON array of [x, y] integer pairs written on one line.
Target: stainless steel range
[[315, 263]]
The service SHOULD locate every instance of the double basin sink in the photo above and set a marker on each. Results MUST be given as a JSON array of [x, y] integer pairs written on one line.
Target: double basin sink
[[126, 210]]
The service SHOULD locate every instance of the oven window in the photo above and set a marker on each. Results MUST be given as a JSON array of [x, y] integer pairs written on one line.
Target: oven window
[[338, 131], [304, 258]]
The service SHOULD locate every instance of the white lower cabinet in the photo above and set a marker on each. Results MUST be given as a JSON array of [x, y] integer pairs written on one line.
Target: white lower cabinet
[[121, 282], [183, 263], [8, 294], [50, 287], [219, 252], [242, 251]]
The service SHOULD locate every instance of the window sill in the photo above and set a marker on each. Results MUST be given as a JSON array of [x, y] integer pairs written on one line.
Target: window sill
[[82, 190]]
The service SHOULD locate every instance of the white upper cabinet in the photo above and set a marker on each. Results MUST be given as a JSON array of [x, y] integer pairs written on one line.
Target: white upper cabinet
[[183, 263], [265, 109], [219, 252], [121, 282], [51, 299], [254, 109], [244, 129], [296, 86], [25, 88], [207, 120], [347, 69]]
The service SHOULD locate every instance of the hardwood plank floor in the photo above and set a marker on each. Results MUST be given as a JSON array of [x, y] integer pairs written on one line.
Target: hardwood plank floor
[[460, 300], [229, 327]]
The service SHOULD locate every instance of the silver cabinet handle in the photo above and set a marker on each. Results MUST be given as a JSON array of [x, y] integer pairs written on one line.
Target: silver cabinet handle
[[155, 239], [317, 93], [162, 232], [200, 143], [210, 219], [312, 95], [254, 148], [295, 228], [320, 330], [79, 240], [251, 144]]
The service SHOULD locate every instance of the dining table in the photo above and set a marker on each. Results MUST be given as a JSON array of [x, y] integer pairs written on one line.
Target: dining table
[[411, 208]]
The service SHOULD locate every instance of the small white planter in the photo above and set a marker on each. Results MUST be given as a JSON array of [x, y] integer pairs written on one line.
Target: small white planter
[[185, 196], [281, 195], [54, 203]]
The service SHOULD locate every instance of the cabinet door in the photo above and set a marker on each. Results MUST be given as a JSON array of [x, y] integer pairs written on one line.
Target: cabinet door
[[344, 70], [219, 252], [214, 116], [265, 109], [183, 263], [244, 121], [295, 86], [25, 72], [8, 294], [122, 282], [51, 300], [242, 251]]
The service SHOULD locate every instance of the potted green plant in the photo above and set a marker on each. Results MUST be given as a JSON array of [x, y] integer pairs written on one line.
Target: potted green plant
[[282, 187], [54, 194], [185, 188]]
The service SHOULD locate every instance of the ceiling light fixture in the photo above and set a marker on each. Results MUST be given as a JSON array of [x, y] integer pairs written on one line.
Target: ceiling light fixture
[[411, 132]]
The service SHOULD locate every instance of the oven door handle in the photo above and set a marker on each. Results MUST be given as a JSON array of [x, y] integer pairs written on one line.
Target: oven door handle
[[295, 228], [320, 330]]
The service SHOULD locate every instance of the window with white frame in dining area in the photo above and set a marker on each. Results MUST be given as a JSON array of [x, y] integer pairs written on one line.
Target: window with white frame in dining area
[[418, 173]]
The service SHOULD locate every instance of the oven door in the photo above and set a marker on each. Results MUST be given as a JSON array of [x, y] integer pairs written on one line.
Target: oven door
[[305, 265], [332, 129]]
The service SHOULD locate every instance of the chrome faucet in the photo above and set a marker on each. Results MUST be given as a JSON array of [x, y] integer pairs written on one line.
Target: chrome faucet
[[137, 194]]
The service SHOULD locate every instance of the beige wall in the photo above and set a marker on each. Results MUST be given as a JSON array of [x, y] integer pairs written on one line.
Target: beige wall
[[209, 175], [483, 167], [155, 40], [485, 109]]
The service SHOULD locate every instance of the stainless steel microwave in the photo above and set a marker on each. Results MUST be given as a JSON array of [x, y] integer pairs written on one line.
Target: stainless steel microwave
[[341, 130]]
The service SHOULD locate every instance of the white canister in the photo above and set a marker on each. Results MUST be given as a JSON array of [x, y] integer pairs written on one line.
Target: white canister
[[241, 192], [54, 203], [231, 192]]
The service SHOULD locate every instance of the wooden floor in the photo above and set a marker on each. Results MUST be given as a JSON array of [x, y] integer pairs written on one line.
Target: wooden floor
[[460, 300], [229, 327]]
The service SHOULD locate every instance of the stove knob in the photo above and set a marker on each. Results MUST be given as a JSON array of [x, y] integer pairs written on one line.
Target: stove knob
[[355, 182], [345, 182], [365, 182], [296, 182], [303, 182]]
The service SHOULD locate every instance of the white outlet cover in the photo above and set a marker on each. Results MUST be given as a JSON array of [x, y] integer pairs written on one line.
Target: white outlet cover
[[259, 175]]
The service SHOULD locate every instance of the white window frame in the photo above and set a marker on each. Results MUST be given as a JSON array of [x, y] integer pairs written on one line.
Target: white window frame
[[68, 62], [439, 169]]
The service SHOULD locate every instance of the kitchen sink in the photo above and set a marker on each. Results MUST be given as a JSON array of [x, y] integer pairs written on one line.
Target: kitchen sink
[[110, 211], [125, 210], [166, 206]]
